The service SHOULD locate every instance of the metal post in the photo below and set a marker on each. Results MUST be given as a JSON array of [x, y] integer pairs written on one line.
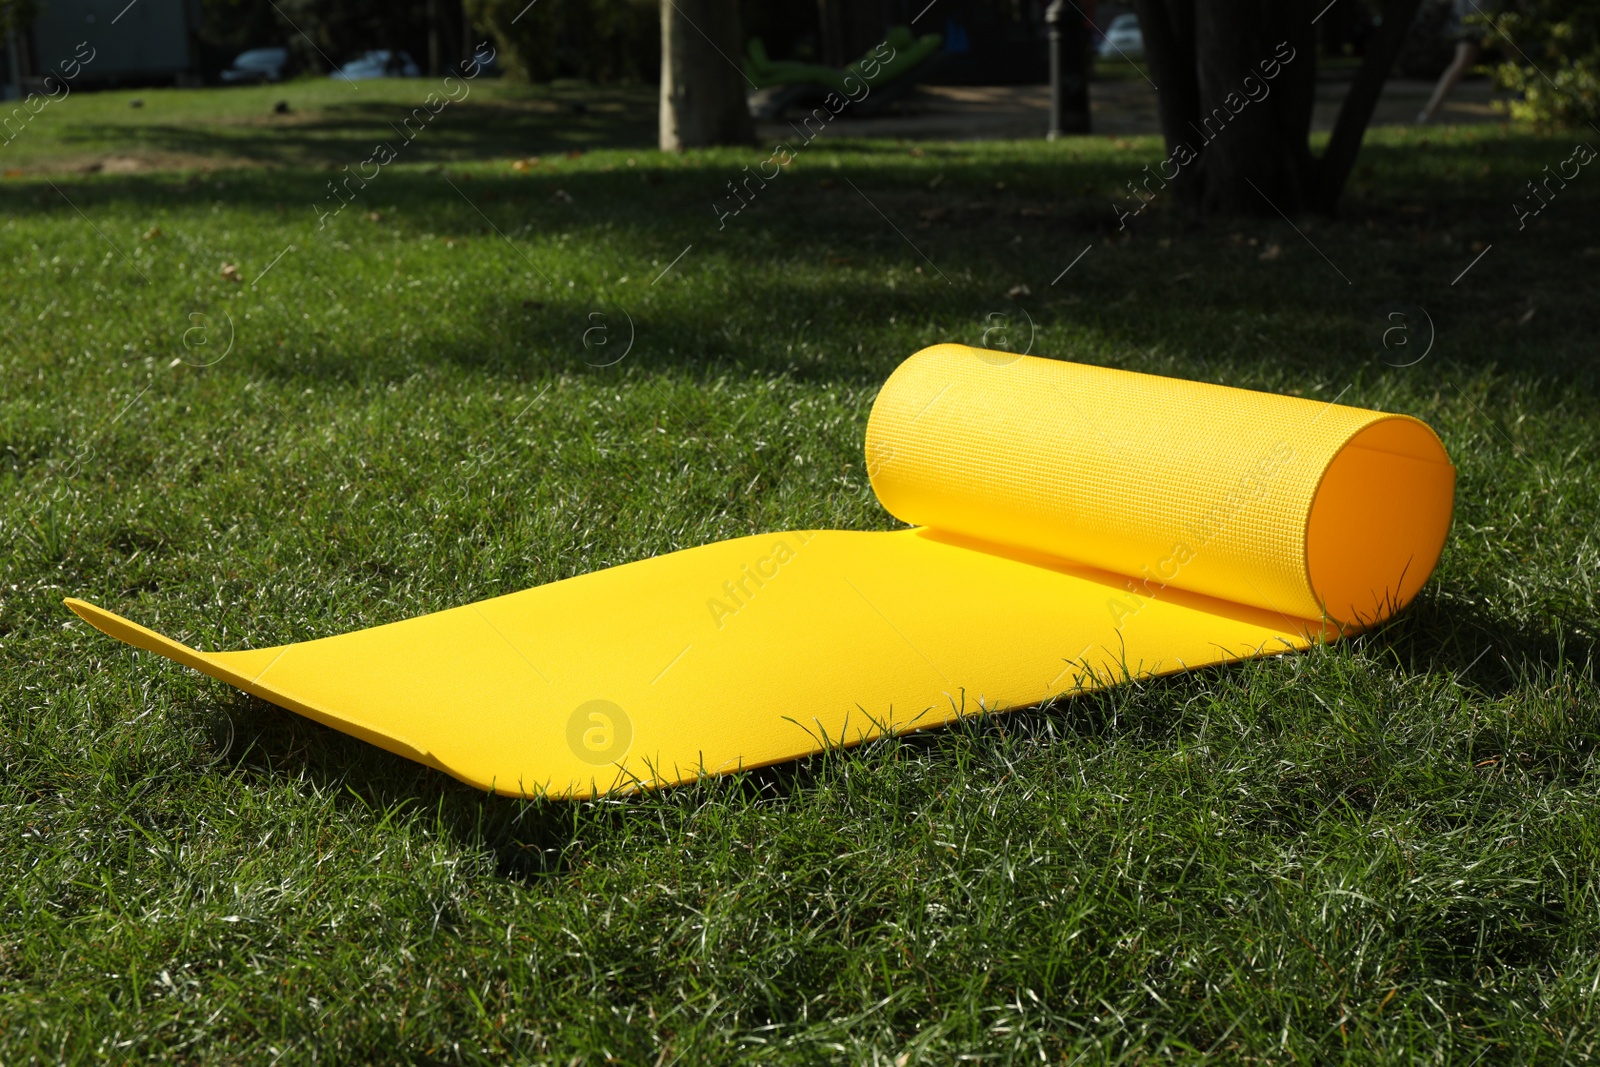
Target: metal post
[[1069, 81]]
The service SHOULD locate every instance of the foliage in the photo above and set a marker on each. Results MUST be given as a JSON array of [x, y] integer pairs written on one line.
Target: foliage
[[318, 34], [1551, 58], [602, 41], [228, 27], [17, 15]]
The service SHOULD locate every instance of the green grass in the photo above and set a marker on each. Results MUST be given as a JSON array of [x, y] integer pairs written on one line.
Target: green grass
[[326, 120], [1384, 851]]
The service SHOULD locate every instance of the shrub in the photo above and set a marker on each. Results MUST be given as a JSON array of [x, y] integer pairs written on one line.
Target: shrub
[[1551, 58]]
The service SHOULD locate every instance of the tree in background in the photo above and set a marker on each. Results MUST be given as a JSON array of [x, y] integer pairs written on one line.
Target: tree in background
[[320, 34], [16, 14], [845, 29], [1236, 81], [702, 87], [593, 40], [1551, 57]]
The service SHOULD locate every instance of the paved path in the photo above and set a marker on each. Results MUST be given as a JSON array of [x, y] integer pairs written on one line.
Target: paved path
[[1124, 108]]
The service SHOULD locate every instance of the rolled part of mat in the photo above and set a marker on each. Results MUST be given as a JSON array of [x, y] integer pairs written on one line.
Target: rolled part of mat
[[1072, 526]]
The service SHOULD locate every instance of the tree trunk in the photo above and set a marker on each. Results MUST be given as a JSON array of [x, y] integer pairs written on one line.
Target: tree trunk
[[1236, 81], [702, 85], [1356, 111]]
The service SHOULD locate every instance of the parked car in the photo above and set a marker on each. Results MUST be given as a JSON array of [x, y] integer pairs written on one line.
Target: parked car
[[1123, 38], [380, 63], [258, 65]]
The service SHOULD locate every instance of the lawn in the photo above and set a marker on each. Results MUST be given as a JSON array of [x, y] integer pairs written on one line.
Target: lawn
[[479, 378]]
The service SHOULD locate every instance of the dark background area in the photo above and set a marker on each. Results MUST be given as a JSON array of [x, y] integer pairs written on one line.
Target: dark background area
[[986, 42]]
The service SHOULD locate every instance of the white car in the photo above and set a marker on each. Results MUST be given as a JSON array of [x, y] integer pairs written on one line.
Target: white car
[[1122, 39], [380, 63], [258, 65]]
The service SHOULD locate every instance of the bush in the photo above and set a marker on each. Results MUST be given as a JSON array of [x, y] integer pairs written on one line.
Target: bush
[[596, 40], [1558, 40]]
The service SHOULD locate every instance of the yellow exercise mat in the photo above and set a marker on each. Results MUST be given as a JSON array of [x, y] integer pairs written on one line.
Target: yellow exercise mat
[[1072, 526]]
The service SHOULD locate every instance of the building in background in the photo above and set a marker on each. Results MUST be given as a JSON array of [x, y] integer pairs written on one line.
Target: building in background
[[145, 42]]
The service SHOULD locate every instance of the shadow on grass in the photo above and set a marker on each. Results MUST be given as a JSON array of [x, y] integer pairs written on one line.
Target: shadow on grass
[[994, 234], [1361, 764], [1488, 655], [346, 133]]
